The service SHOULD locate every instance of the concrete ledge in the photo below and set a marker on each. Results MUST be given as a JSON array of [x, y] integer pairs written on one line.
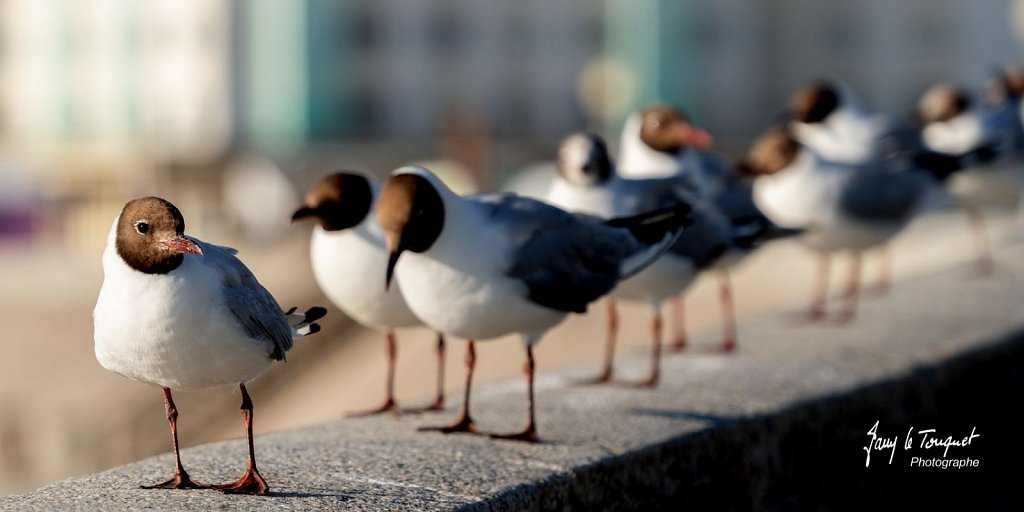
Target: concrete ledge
[[781, 424]]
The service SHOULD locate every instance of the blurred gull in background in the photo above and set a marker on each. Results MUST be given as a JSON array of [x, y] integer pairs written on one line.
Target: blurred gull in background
[[258, 196]]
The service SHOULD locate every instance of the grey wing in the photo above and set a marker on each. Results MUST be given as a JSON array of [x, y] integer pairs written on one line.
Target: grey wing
[[566, 260], [256, 311], [709, 236], [877, 196], [644, 195]]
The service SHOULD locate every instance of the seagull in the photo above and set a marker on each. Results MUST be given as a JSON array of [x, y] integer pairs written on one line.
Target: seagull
[[829, 119], [182, 314], [587, 182], [950, 122], [349, 260], [839, 207], [484, 266], [1004, 104], [658, 141]]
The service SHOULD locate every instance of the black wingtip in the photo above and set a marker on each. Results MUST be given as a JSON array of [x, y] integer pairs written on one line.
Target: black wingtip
[[942, 165], [314, 328], [290, 311], [315, 313], [651, 227]]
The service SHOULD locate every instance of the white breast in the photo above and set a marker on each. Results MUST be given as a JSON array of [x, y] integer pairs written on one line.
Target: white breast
[[637, 159], [667, 277], [458, 286], [957, 135], [845, 136], [350, 266], [795, 197], [171, 330]]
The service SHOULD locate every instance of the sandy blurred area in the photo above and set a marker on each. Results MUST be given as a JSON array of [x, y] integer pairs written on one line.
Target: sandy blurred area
[[61, 414]]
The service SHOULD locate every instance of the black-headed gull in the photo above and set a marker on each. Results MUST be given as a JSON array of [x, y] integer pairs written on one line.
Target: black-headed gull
[[838, 207], [1004, 106], [952, 121], [658, 141], [655, 139], [484, 266], [587, 182], [349, 260], [183, 314], [829, 119]]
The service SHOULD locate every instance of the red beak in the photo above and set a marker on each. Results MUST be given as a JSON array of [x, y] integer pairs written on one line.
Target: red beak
[[181, 244], [697, 138]]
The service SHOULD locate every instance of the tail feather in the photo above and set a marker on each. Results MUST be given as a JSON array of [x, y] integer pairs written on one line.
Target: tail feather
[[302, 324], [657, 230], [758, 232], [943, 165]]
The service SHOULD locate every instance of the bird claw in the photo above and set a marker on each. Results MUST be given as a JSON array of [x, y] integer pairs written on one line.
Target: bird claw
[[438, 405], [388, 406], [463, 425], [728, 345], [604, 378], [179, 481], [249, 483], [528, 435]]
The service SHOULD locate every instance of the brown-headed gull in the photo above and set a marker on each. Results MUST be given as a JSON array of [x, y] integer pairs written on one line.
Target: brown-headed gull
[[839, 207], [484, 266], [588, 182], [659, 141], [182, 314]]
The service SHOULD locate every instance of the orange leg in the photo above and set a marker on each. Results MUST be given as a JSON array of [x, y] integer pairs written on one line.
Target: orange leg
[[852, 293], [884, 283], [529, 434], [251, 482], [728, 312], [389, 404], [984, 260], [655, 372], [180, 480], [439, 395], [465, 422], [612, 333], [820, 293], [679, 323]]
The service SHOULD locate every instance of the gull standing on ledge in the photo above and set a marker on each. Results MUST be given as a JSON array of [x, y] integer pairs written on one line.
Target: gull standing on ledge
[[658, 141], [841, 207], [183, 314], [484, 266], [588, 182], [349, 260]]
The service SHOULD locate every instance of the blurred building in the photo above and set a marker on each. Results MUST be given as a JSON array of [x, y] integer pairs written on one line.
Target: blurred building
[[105, 99]]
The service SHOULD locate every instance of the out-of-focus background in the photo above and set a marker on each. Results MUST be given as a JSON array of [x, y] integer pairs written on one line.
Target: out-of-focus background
[[230, 108]]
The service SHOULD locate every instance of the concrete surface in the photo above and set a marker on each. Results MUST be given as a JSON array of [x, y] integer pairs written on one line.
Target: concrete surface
[[780, 423], [57, 419]]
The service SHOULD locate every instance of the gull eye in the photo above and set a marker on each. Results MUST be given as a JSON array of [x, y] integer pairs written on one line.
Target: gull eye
[[142, 227]]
